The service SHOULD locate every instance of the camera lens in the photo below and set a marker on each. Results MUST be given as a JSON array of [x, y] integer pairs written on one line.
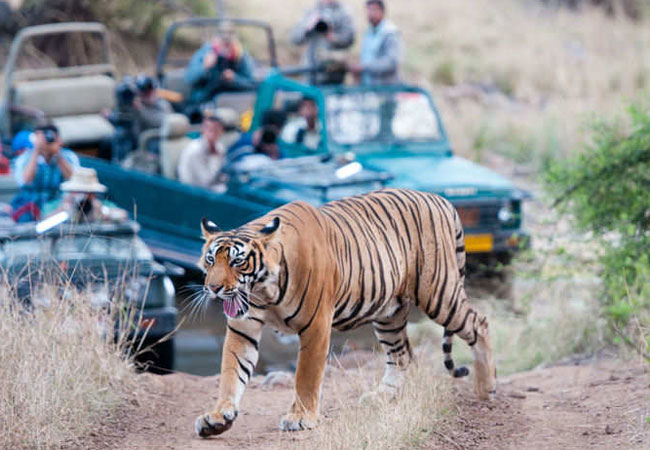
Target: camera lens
[[50, 136], [269, 136], [321, 26]]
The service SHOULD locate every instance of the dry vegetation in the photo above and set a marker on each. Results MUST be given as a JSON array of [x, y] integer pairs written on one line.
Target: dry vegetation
[[383, 423], [61, 372], [510, 76]]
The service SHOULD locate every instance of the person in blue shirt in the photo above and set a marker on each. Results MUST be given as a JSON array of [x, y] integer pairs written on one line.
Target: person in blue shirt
[[381, 48], [220, 65], [39, 171]]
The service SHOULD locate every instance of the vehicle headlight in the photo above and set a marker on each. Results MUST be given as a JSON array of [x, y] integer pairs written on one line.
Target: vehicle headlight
[[135, 289], [505, 213], [100, 297], [509, 214]]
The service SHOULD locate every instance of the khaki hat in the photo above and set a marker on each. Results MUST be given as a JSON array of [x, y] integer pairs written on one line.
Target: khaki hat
[[83, 179]]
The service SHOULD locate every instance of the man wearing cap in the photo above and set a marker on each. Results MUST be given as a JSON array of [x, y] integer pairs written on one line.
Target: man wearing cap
[[325, 28], [259, 148], [220, 65], [39, 171], [304, 131], [201, 162], [380, 49]]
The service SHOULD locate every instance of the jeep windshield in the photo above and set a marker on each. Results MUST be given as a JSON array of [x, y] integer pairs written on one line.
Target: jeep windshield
[[360, 117]]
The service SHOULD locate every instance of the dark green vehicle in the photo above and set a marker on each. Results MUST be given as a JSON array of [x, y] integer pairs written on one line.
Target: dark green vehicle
[[386, 135], [108, 260]]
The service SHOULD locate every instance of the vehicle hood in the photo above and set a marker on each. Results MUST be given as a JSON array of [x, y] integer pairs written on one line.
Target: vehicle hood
[[451, 176]]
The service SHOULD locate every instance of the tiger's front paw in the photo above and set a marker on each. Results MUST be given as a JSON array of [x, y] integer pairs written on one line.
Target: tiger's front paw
[[298, 421], [216, 422]]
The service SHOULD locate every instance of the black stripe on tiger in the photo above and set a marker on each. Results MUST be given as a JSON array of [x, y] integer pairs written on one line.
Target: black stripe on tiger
[[459, 372]]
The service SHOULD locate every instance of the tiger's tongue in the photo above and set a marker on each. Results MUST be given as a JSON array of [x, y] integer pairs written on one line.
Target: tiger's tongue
[[230, 308]]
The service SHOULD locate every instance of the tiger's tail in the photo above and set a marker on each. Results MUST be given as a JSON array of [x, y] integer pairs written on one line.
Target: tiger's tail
[[456, 372], [448, 336]]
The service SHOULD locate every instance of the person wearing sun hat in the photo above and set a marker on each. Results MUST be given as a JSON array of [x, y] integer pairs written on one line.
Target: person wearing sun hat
[[81, 199]]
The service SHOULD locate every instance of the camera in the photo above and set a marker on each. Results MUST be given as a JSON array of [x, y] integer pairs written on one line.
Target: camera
[[50, 136], [269, 136], [322, 26], [125, 93], [145, 83]]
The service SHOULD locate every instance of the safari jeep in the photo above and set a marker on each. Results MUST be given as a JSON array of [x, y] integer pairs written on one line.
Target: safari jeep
[[397, 129], [370, 137], [103, 258]]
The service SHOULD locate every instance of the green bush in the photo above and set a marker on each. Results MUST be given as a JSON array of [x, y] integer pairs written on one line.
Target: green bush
[[607, 190]]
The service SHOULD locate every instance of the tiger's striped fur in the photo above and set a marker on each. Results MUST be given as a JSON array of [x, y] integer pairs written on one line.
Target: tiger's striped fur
[[363, 259]]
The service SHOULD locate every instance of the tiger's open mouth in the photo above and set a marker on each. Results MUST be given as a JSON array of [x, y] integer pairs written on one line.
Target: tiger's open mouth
[[234, 306]]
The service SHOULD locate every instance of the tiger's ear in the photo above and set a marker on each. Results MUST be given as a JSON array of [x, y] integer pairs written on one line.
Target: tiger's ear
[[271, 227], [208, 228]]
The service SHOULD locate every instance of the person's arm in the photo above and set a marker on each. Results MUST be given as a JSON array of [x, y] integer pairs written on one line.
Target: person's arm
[[153, 116], [26, 168], [244, 73], [67, 161], [389, 62], [184, 168], [195, 71], [342, 36], [302, 30]]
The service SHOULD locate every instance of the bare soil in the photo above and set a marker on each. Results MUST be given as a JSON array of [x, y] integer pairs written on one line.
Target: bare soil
[[598, 405]]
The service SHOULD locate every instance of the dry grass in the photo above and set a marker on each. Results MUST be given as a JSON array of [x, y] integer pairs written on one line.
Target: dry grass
[[383, 423], [61, 372]]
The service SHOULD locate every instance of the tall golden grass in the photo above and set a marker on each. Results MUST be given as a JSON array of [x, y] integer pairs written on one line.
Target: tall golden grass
[[61, 371]]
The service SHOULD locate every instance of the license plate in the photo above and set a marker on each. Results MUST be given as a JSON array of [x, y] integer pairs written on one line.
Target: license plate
[[479, 243]]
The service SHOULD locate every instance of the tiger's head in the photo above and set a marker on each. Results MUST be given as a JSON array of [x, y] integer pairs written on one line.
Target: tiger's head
[[235, 263]]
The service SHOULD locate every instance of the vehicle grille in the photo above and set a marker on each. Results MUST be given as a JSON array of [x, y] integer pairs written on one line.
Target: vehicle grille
[[483, 216]]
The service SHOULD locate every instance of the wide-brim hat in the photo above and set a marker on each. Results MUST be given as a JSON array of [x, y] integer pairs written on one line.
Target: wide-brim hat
[[83, 179]]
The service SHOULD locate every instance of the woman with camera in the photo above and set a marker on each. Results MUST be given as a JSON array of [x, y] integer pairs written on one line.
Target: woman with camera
[[220, 65], [39, 171]]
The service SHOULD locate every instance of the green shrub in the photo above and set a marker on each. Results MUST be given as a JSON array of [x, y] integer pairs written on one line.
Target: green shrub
[[606, 189]]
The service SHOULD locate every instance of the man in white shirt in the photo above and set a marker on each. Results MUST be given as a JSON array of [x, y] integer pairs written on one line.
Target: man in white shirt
[[305, 129], [201, 162]]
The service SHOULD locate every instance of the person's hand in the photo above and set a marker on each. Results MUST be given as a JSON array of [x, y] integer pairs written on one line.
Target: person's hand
[[210, 59], [228, 75], [55, 148], [313, 20], [355, 68]]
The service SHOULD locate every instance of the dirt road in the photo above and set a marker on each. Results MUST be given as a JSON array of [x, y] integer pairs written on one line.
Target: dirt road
[[600, 405]]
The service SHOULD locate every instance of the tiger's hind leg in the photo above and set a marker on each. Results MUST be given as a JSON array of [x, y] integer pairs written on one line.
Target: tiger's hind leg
[[391, 333], [455, 314]]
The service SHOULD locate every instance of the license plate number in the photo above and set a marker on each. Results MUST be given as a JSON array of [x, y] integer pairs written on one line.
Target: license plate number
[[479, 243]]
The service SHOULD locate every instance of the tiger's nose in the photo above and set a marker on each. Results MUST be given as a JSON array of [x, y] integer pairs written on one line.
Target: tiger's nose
[[213, 287]]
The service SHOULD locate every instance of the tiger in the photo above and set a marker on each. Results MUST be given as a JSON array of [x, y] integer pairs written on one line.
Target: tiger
[[360, 260]]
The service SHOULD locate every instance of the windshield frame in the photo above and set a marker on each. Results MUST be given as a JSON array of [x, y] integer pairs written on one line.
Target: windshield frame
[[440, 145]]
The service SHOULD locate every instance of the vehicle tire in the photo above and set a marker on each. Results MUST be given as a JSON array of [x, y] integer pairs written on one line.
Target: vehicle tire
[[160, 359]]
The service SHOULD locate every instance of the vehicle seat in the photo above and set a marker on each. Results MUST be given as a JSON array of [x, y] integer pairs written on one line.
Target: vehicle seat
[[73, 104], [173, 139]]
